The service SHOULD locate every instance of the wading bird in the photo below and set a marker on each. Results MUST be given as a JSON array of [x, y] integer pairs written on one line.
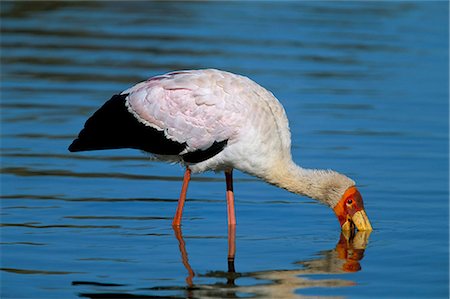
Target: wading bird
[[215, 120]]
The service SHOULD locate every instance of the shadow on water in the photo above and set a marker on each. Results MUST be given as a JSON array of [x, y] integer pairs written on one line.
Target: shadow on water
[[344, 258]]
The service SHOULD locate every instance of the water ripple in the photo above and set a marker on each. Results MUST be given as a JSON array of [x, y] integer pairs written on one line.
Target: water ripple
[[37, 272], [32, 225], [28, 171]]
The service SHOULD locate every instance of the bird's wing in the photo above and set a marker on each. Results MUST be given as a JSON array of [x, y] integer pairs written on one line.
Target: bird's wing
[[194, 108]]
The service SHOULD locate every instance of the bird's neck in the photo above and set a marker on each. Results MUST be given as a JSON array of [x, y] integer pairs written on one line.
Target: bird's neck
[[326, 186]]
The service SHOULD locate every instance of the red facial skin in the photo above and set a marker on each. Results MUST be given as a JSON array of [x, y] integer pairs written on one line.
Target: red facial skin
[[350, 203]]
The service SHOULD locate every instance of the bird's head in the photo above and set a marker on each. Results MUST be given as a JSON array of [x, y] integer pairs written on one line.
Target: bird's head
[[350, 211]]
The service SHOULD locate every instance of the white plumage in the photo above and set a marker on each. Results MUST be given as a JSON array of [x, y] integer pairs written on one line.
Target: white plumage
[[215, 120]]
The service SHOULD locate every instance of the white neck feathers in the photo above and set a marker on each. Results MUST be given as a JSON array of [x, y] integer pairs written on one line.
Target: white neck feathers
[[326, 186]]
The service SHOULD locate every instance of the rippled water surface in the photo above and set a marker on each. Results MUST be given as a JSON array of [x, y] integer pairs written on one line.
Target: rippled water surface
[[365, 86]]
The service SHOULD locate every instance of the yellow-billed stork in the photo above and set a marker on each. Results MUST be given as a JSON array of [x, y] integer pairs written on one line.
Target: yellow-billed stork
[[215, 120]]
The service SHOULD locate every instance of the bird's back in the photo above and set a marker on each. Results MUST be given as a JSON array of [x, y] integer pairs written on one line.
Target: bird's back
[[203, 108], [202, 105]]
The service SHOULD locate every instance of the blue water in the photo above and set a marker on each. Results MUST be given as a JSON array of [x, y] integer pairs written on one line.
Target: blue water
[[364, 84]]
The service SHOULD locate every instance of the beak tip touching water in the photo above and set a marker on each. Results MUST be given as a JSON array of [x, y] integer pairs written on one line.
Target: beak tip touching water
[[350, 212]]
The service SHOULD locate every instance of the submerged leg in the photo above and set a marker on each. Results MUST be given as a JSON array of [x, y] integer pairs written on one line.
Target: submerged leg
[[230, 197], [179, 212], [231, 247]]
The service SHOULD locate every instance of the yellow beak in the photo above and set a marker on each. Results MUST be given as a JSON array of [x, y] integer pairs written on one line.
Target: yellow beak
[[359, 220]]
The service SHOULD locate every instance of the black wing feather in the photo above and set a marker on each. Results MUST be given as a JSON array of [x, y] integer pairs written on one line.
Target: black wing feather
[[113, 127]]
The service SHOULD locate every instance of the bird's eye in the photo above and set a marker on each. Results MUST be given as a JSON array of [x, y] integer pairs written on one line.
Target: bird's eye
[[349, 201]]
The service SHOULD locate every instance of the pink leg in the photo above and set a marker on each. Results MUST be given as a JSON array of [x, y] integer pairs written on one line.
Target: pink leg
[[179, 212], [230, 197]]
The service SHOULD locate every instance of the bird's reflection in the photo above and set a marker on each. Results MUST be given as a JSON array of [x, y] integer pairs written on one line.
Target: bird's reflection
[[184, 255], [185, 259], [344, 258]]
